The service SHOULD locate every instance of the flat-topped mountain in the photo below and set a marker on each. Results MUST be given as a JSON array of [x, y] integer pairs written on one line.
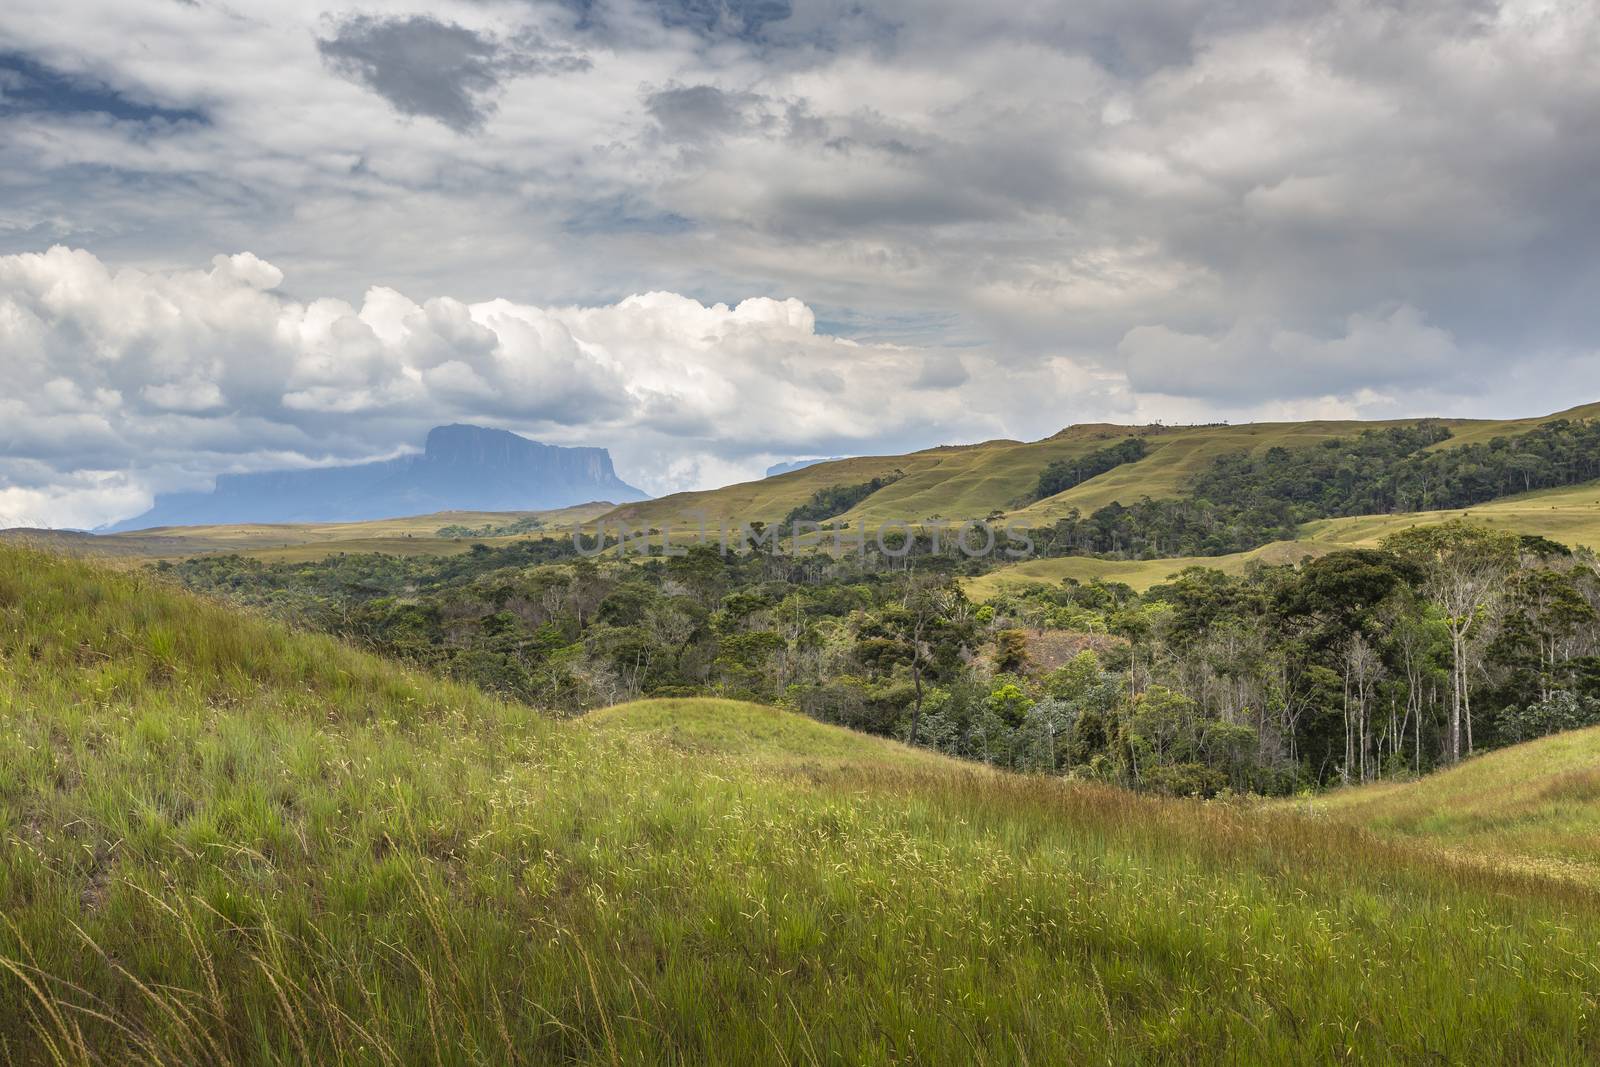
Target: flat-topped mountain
[[461, 468]]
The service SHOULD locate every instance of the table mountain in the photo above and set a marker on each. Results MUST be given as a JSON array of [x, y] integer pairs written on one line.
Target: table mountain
[[461, 468]]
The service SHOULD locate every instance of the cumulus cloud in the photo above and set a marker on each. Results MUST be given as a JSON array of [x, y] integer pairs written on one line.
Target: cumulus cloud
[[125, 382], [1185, 209]]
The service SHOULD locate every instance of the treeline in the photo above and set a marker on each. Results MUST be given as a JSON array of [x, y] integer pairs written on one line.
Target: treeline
[[1244, 500], [1392, 470], [1063, 474], [837, 499], [1362, 664], [524, 525], [1153, 529]]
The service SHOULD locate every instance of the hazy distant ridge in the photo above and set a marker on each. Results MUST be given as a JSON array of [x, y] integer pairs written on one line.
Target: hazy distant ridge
[[461, 468]]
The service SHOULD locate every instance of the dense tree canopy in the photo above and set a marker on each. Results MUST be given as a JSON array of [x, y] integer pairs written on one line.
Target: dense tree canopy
[[1361, 664]]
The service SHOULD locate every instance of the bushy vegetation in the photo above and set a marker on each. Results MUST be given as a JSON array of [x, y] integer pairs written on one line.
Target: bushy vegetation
[[1244, 499], [528, 524], [837, 499], [1360, 665], [1063, 474], [223, 842]]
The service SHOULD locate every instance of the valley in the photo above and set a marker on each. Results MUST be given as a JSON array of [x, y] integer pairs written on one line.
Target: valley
[[227, 842]]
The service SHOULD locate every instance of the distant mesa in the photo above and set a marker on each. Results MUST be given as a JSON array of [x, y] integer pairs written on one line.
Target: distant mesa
[[461, 468], [798, 465]]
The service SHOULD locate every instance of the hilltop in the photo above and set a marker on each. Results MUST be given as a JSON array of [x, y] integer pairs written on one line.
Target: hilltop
[[222, 841], [974, 481]]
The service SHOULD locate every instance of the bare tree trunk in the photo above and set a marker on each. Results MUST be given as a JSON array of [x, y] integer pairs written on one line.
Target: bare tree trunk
[[916, 714], [1349, 754], [1455, 696]]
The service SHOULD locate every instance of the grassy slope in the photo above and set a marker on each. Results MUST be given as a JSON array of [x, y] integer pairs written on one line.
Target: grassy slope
[[971, 481], [1178, 454], [1141, 574], [243, 845], [1534, 807], [1570, 515], [954, 481], [416, 535]]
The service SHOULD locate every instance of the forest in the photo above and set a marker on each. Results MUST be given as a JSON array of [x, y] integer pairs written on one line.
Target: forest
[[1242, 500], [1360, 665], [1363, 664], [1063, 474]]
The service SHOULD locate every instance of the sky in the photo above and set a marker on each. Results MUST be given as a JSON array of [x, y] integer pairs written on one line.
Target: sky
[[712, 235]]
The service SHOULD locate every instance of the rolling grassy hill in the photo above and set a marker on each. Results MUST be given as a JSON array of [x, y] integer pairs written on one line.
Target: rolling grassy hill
[[1531, 807], [1569, 515], [417, 535], [957, 482], [972, 481], [224, 842], [953, 481]]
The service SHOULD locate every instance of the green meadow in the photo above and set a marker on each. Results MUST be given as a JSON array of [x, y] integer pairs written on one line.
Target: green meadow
[[223, 842]]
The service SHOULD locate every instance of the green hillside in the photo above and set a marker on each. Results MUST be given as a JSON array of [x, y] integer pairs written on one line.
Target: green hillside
[[1531, 807], [442, 533], [1570, 516], [972, 481], [223, 842], [956, 482], [952, 481]]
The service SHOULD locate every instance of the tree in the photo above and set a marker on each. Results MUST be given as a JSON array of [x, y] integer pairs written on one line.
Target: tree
[[1548, 610], [926, 629], [1363, 668], [1465, 569]]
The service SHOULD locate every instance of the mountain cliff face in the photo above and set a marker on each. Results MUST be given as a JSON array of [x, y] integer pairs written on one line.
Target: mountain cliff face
[[462, 468]]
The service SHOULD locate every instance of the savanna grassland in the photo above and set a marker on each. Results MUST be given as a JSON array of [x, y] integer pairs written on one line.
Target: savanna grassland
[[444, 533], [973, 481], [1570, 515], [225, 842]]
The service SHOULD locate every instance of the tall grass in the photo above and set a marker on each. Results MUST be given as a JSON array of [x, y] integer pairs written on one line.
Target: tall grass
[[1532, 807], [221, 842]]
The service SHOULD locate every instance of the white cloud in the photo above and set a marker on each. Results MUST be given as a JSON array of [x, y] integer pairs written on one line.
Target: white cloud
[[1114, 207], [168, 378], [80, 501]]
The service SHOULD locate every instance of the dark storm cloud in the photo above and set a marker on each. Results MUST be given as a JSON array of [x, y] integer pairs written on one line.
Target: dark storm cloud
[[699, 112], [436, 69], [735, 18], [738, 19]]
